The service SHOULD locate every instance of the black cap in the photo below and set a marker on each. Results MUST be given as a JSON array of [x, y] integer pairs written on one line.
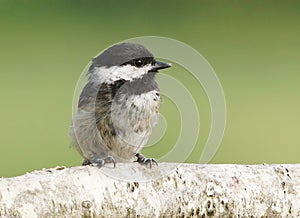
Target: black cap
[[119, 54]]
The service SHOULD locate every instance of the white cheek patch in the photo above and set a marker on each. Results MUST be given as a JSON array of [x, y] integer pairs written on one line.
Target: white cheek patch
[[111, 74]]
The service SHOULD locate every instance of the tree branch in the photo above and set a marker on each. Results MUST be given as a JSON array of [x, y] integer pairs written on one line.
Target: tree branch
[[185, 190]]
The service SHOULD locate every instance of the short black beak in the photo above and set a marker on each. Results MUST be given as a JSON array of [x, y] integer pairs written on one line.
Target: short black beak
[[160, 65]]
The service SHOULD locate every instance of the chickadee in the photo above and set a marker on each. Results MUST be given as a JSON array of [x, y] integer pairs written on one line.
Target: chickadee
[[118, 107]]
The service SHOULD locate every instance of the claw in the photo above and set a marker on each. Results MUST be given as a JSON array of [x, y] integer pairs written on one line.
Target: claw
[[145, 161], [86, 162], [100, 162], [110, 159]]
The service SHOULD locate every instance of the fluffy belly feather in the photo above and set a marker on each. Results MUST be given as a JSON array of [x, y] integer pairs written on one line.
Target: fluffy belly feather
[[133, 118]]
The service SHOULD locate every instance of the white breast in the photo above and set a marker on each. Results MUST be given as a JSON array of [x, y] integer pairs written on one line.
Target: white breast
[[133, 117]]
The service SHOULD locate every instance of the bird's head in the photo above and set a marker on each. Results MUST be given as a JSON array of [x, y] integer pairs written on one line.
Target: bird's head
[[125, 61]]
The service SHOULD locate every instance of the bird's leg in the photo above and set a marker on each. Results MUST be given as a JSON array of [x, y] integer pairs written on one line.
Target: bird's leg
[[145, 161], [86, 162], [100, 162]]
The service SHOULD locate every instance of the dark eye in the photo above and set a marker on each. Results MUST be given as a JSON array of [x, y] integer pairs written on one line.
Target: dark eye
[[138, 62]]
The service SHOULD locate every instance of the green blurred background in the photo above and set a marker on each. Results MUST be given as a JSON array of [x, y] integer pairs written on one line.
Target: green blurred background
[[253, 46]]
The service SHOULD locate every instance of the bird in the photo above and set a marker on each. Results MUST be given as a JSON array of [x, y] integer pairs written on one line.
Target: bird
[[118, 107]]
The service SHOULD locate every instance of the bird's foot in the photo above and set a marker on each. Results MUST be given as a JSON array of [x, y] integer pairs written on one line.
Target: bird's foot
[[145, 161], [100, 162]]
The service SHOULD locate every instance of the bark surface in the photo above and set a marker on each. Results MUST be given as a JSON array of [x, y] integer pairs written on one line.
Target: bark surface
[[167, 190]]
